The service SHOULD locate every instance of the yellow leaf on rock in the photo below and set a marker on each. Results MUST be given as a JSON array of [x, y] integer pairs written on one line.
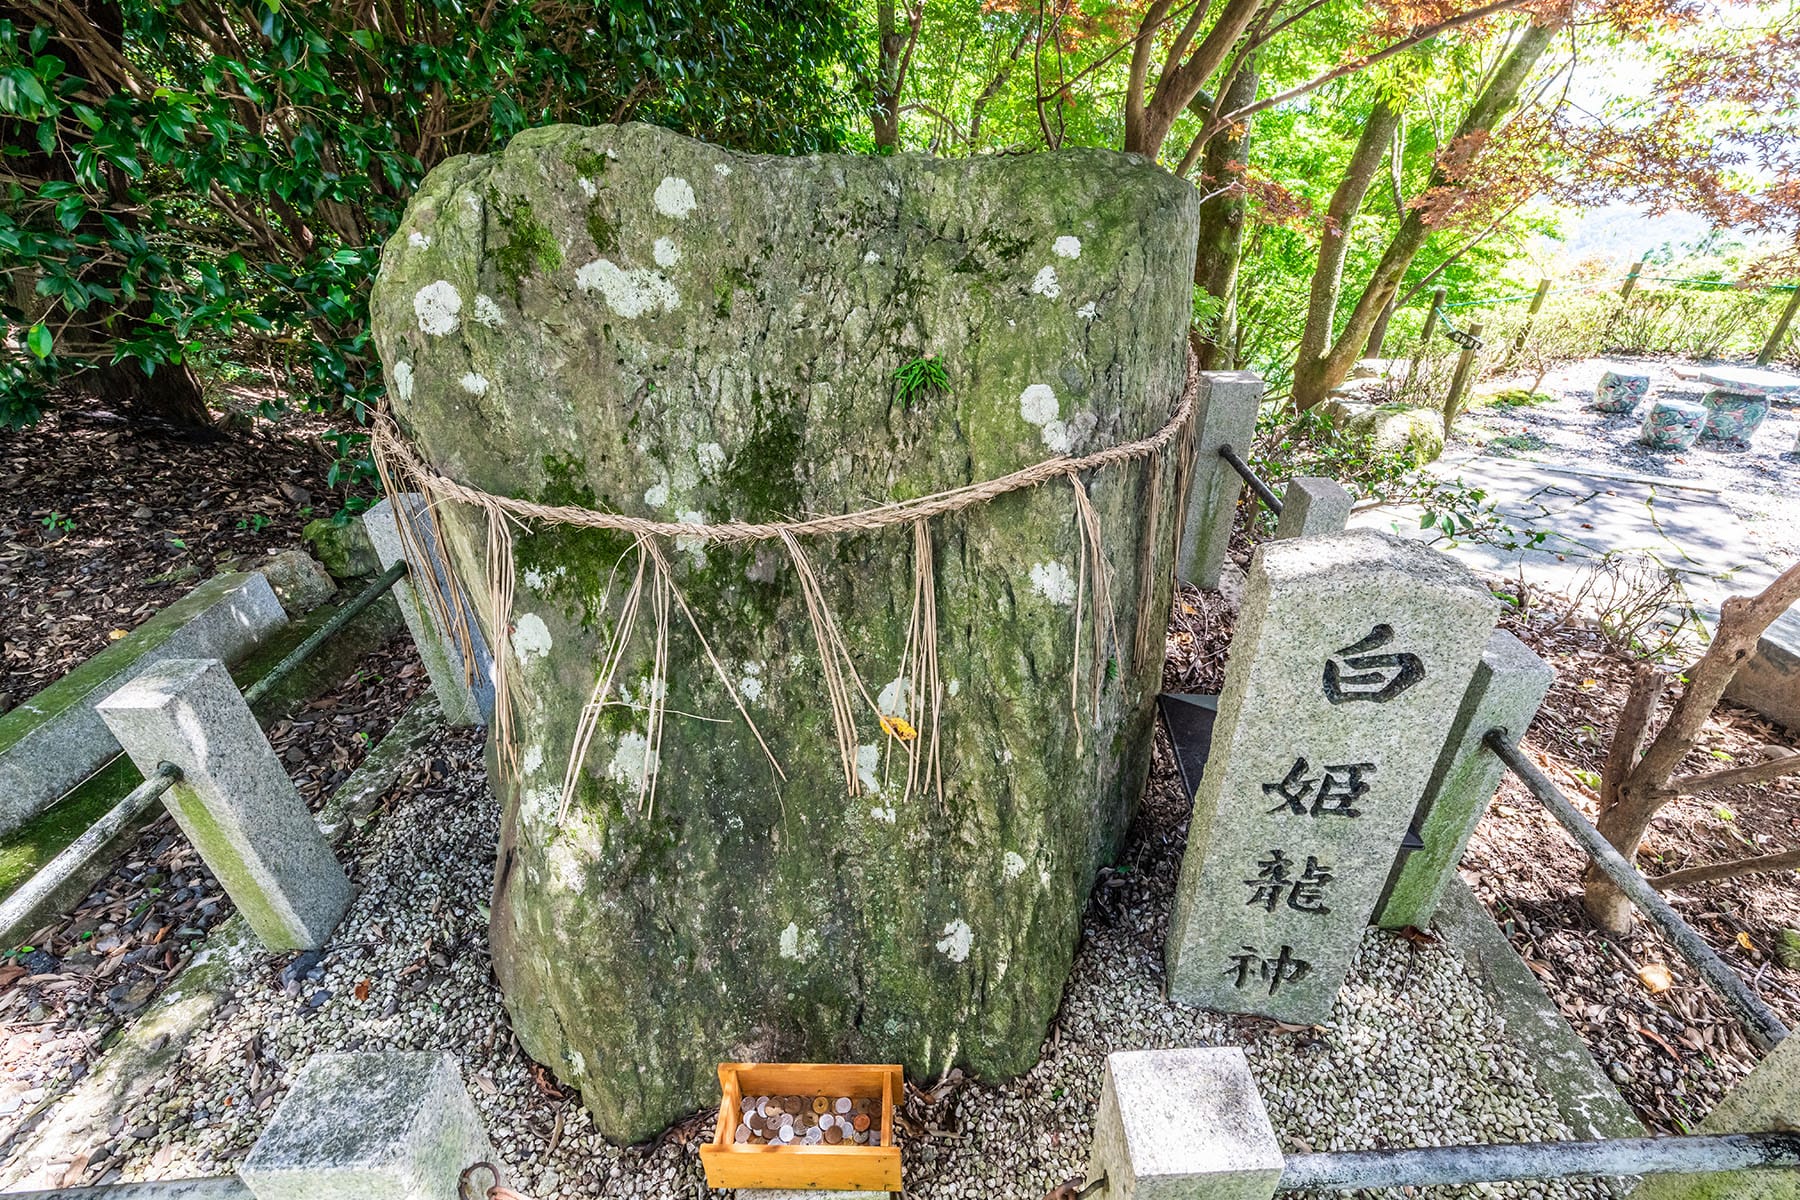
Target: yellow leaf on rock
[[899, 727], [1746, 943], [1656, 977]]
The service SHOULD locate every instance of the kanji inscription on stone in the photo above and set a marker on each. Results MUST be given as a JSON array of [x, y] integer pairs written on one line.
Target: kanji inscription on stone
[[1352, 651]]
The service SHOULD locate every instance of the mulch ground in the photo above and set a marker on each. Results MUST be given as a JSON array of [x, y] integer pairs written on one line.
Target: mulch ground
[[1674, 1052], [103, 522]]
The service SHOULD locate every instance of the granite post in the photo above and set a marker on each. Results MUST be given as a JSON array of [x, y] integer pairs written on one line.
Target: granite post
[[235, 802], [370, 1126], [1184, 1124], [1766, 1099], [463, 703], [1351, 651], [1310, 505], [1510, 682], [1227, 417]]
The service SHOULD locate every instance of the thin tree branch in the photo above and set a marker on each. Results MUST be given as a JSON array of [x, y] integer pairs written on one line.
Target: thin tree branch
[[1786, 860]]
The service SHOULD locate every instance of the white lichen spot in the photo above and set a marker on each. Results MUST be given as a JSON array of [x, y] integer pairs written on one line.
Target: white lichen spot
[[957, 940], [1066, 247], [674, 197], [534, 758], [721, 170], [632, 763], [868, 759], [954, 688], [418, 241], [438, 307], [473, 383], [1046, 284], [893, 698], [1012, 865], [665, 252], [472, 202], [1053, 582], [871, 258], [531, 638], [541, 805], [711, 456], [1056, 437], [886, 815], [750, 688], [587, 186], [656, 495], [630, 294], [488, 312], [790, 941], [1037, 404], [403, 380], [1088, 311], [534, 579]]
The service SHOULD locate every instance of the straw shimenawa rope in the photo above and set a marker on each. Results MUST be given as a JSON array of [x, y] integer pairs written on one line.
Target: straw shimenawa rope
[[397, 463]]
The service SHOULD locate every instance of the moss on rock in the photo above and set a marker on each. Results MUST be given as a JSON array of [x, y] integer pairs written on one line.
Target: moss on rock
[[728, 353]]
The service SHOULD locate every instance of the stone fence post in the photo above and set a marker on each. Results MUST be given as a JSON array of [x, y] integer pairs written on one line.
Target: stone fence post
[[1350, 650], [463, 704], [1183, 1125], [234, 801], [371, 1126], [1311, 505], [1767, 1098], [1510, 682], [1228, 402]]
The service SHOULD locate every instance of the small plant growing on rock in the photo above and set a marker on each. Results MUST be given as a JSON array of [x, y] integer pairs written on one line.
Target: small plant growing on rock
[[919, 379]]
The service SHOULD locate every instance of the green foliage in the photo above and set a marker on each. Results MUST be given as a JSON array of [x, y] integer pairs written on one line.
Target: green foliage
[[221, 169], [920, 379]]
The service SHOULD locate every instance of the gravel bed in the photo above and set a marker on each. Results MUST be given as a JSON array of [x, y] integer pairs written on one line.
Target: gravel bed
[[1410, 1056], [1759, 482]]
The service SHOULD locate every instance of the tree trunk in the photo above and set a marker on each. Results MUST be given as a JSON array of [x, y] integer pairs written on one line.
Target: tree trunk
[[1495, 100], [886, 116], [171, 394], [1634, 789], [1311, 362], [1222, 224], [1150, 114]]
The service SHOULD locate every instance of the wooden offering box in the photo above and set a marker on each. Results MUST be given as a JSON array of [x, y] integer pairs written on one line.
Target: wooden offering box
[[872, 1168]]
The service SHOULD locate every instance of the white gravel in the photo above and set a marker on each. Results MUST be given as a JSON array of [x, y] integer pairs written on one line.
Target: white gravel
[[1411, 1056]]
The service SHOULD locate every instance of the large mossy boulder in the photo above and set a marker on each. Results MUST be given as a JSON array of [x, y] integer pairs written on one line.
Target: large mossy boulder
[[624, 319]]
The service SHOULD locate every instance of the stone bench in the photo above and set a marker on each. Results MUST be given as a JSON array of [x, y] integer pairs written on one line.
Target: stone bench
[[1769, 680], [1672, 425], [1732, 416], [1620, 393]]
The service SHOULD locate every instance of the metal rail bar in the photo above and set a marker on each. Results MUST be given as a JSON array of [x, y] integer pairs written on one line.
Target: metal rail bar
[[37, 890], [1262, 490], [1762, 1023], [1348, 1170], [325, 632]]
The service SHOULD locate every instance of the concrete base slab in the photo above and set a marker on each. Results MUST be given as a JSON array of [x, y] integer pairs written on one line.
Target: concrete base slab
[[1769, 682]]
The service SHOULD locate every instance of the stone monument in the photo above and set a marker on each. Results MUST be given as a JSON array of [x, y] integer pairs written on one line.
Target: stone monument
[[624, 321], [1352, 653]]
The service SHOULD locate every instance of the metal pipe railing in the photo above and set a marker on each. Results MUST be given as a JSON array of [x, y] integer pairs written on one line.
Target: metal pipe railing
[[1263, 492], [1762, 1023], [1347, 1170], [325, 632], [18, 908]]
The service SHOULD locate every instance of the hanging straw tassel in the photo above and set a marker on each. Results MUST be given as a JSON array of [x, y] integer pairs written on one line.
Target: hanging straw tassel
[[603, 682], [835, 661], [1148, 633], [500, 604], [1094, 578], [919, 664]]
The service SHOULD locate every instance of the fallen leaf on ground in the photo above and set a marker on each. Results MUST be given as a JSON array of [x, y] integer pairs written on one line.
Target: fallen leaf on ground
[[1656, 977]]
